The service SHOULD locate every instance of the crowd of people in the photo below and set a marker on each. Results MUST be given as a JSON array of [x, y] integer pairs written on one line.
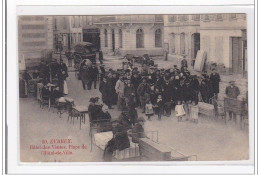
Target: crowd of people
[[155, 90], [52, 75], [163, 88]]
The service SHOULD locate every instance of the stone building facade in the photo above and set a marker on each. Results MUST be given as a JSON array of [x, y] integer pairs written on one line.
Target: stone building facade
[[182, 35], [61, 32], [76, 29], [221, 36], [35, 34], [129, 34]]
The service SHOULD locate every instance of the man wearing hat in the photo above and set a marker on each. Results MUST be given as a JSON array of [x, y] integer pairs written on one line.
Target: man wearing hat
[[232, 91], [94, 75], [54, 68], [184, 62], [215, 79], [204, 89], [142, 90], [105, 90]]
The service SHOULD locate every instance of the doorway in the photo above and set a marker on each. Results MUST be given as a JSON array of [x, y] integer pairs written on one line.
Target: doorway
[[195, 45], [92, 36], [237, 55]]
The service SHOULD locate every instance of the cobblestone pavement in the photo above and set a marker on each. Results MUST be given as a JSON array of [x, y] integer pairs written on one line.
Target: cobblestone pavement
[[209, 139]]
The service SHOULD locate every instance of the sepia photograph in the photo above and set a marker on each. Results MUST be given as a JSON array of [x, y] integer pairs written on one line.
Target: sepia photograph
[[133, 88]]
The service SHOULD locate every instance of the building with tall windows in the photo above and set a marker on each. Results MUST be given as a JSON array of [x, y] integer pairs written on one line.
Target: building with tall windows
[[130, 34], [222, 37], [182, 35], [67, 30], [76, 29]]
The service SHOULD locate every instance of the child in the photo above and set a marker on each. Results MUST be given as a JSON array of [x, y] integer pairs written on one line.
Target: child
[[179, 111], [159, 104], [194, 112], [149, 110]]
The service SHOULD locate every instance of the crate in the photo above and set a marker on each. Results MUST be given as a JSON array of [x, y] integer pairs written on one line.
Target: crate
[[206, 109], [154, 151]]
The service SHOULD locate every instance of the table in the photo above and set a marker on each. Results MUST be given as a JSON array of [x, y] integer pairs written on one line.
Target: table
[[82, 110]]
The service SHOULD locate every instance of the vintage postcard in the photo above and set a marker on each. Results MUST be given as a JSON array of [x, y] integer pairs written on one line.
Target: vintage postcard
[[116, 88]]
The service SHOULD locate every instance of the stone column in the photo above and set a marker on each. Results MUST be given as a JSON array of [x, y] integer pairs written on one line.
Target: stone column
[[116, 38], [102, 39], [109, 40], [177, 44], [188, 44]]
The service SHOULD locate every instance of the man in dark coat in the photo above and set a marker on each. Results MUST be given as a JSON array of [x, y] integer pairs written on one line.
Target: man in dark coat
[[204, 90], [54, 68], [215, 79], [62, 75], [94, 75], [128, 91], [167, 97], [143, 88], [232, 91], [105, 90], [159, 82], [112, 81], [44, 72], [184, 62], [124, 120], [100, 56], [176, 92], [86, 77], [136, 80], [194, 87]]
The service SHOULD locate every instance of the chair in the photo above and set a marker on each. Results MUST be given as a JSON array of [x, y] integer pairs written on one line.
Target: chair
[[70, 105], [60, 105], [43, 99]]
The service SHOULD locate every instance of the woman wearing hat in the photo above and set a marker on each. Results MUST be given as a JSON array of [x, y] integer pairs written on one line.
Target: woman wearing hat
[[120, 140]]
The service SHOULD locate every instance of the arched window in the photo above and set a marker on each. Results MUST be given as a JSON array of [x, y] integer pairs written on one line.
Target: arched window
[[158, 38], [105, 37], [182, 43], [120, 39], [139, 38]]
